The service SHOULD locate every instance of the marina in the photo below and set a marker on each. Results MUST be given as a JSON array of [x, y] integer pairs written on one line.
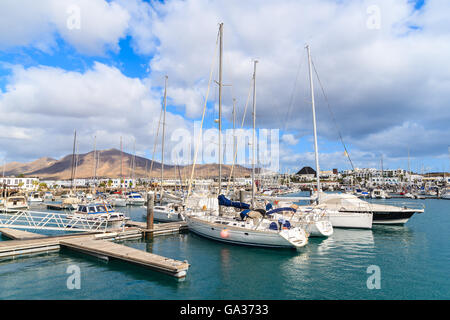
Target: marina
[[196, 150], [411, 258]]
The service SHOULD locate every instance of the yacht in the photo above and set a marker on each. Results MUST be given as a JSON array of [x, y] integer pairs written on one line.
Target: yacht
[[378, 194], [446, 194], [117, 200], [35, 197], [99, 213], [249, 230], [350, 206], [135, 199], [314, 220], [15, 203], [171, 212]]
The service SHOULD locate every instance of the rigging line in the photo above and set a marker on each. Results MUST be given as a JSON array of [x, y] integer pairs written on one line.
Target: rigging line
[[156, 140], [203, 114], [291, 100], [242, 125], [332, 116]]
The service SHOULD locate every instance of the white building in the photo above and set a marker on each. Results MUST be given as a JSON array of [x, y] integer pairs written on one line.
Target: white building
[[22, 183]]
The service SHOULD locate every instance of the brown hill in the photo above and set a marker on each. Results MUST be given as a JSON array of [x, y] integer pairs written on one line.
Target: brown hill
[[110, 163]]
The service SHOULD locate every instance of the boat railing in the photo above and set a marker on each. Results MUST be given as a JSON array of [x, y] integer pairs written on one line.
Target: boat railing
[[396, 203], [26, 219]]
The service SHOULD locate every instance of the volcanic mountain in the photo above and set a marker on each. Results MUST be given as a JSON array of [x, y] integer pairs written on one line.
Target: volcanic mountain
[[112, 163]]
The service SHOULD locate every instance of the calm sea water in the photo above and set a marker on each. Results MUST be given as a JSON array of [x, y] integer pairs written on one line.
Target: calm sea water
[[413, 259]]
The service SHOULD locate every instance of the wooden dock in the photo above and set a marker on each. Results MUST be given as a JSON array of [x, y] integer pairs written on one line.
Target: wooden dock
[[106, 250], [98, 244], [19, 234], [160, 228]]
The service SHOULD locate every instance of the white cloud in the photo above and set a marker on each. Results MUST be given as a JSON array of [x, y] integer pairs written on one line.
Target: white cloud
[[41, 107], [289, 139], [38, 23]]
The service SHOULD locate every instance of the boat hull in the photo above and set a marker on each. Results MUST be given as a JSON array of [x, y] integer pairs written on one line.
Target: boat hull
[[351, 220], [237, 236]]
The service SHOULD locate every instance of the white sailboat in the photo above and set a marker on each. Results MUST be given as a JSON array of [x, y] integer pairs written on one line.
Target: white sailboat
[[171, 212], [251, 229]]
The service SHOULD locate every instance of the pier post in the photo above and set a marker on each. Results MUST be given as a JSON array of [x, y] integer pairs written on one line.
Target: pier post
[[150, 204]]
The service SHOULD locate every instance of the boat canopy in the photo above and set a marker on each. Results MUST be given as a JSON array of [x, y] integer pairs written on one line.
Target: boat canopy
[[223, 201]]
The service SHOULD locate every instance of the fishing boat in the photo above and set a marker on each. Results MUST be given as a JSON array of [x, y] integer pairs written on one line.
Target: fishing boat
[[99, 213], [135, 199]]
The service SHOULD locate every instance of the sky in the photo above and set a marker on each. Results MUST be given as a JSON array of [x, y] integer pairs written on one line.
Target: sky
[[98, 67]]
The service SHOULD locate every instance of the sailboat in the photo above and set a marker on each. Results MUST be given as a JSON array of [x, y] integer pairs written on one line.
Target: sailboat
[[250, 227], [170, 212]]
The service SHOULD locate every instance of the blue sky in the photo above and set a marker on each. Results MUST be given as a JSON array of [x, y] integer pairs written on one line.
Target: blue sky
[[106, 79]]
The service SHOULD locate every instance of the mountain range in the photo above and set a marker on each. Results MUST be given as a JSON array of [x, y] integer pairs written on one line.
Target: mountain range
[[110, 164]]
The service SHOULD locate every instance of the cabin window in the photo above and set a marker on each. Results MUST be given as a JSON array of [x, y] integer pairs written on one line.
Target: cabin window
[[91, 209], [101, 208], [83, 209]]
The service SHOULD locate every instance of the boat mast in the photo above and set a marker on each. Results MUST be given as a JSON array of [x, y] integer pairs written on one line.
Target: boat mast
[[254, 133], [316, 149], [234, 137], [121, 164], [95, 162], [72, 174], [163, 135], [220, 107]]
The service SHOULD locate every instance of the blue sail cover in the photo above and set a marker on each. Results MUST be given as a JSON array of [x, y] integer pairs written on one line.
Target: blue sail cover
[[223, 201], [280, 210]]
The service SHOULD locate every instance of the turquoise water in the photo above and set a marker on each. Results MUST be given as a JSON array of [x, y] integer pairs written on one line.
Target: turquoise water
[[413, 259]]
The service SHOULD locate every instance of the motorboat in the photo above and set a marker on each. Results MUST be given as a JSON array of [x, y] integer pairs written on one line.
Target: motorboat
[[171, 212], [101, 214], [34, 198], [361, 214], [15, 203], [379, 194], [135, 199]]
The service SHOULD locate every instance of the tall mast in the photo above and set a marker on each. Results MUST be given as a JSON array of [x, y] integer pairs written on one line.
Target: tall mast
[[95, 162], [73, 160], [121, 161], [409, 170], [220, 107], [163, 135], [254, 133], [234, 135], [316, 149]]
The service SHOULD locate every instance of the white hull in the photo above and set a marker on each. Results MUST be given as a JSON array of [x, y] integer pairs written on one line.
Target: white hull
[[241, 236], [119, 202], [166, 216], [136, 202], [351, 220], [320, 229]]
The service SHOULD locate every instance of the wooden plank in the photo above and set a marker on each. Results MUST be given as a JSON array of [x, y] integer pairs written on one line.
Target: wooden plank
[[19, 234], [113, 250]]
